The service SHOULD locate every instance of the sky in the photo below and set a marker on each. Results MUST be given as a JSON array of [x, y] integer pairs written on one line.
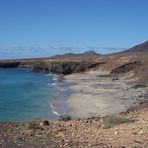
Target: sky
[[40, 28]]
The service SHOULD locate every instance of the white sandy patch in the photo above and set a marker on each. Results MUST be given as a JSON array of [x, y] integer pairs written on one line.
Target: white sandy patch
[[94, 95]]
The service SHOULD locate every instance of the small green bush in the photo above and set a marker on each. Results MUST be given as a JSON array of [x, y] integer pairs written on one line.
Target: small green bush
[[34, 124], [111, 121]]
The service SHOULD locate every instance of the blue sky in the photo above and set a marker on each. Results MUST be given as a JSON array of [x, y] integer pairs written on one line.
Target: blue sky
[[46, 27]]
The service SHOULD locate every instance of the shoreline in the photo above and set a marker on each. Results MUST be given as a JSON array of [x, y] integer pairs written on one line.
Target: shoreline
[[105, 110], [78, 95], [59, 105]]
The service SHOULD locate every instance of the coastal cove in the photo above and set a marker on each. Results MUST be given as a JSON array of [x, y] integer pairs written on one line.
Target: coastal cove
[[83, 85], [26, 95], [103, 98], [73, 74]]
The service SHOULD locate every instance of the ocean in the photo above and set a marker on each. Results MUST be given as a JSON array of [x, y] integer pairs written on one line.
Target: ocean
[[26, 95]]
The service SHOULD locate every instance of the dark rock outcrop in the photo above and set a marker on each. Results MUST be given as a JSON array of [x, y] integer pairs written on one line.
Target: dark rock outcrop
[[45, 66], [64, 117], [138, 86], [126, 67], [45, 122], [9, 64], [62, 64], [57, 67], [115, 79]]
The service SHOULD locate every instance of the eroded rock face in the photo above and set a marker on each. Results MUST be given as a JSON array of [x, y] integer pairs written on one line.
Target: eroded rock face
[[60, 67], [45, 66], [126, 67], [120, 64], [67, 67], [40, 66]]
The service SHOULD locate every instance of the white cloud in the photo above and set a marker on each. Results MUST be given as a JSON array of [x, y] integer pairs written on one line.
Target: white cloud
[[35, 52], [64, 48]]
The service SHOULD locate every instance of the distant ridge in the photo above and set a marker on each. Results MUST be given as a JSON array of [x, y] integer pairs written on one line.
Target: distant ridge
[[87, 53], [90, 52], [139, 48]]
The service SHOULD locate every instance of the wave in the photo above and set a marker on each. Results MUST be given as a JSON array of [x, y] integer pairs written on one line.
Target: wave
[[55, 78], [60, 88], [53, 110], [49, 74], [58, 106], [53, 84]]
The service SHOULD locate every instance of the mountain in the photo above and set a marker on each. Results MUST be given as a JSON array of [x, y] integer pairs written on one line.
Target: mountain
[[87, 53], [90, 52], [139, 48]]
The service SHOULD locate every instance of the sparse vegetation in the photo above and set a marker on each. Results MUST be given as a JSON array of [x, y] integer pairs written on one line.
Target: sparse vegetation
[[111, 121], [34, 124]]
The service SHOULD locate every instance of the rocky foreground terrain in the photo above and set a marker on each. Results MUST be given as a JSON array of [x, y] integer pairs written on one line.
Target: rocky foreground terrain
[[129, 129]]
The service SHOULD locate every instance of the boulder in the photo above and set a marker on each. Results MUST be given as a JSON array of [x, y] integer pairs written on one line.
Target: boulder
[[64, 117]]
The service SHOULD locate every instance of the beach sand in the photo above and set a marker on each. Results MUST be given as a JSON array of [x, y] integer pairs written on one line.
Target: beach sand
[[99, 96]]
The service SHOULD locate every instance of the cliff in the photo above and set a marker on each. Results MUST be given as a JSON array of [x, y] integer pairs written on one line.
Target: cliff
[[134, 65]]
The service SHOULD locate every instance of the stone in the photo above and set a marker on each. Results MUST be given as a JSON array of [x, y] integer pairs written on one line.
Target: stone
[[141, 132], [138, 86], [22, 139], [134, 133], [114, 79], [64, 117], [45, 122]]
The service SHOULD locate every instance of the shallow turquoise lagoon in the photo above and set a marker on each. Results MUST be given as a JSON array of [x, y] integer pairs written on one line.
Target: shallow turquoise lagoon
[[26, 95]]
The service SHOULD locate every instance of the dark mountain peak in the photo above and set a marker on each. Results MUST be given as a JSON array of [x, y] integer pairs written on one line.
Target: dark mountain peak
[[90, 52], [68, 54], [139, 48]]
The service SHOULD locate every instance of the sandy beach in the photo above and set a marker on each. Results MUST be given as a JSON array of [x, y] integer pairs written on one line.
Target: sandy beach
[[99, 96]]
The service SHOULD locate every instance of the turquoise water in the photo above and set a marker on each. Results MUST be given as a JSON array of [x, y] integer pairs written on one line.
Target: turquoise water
[[25, 95]]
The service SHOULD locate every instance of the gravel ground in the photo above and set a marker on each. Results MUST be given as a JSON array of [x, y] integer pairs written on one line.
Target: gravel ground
[[129, 129]]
